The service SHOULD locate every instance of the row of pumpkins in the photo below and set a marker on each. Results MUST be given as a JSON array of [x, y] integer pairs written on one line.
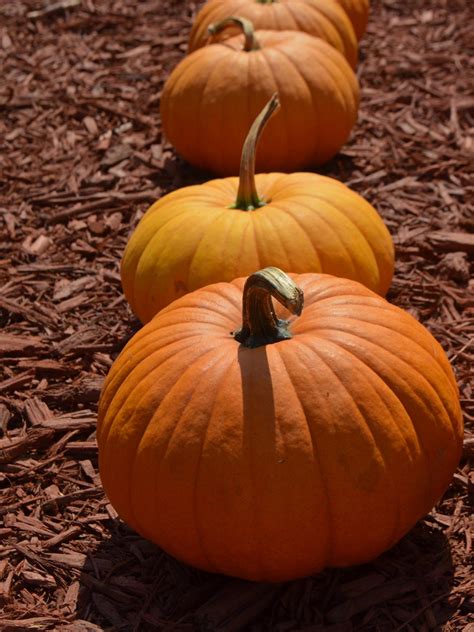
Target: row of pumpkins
[[269, 440]]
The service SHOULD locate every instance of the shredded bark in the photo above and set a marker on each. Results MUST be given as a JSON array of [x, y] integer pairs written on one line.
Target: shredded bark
[[82, 156]]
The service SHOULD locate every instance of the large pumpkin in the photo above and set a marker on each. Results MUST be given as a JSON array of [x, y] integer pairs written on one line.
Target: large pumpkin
[[320, 18], [227, 228], [212, 96], [358, 12], [285, 447]]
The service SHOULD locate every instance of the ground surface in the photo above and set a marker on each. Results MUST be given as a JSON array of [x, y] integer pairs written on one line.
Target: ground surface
[[81, 158]]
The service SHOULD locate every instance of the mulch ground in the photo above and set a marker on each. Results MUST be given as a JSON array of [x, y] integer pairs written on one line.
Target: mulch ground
[[81, 159]]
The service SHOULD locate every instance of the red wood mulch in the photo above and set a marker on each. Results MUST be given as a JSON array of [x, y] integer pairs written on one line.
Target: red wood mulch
[[81, 158]]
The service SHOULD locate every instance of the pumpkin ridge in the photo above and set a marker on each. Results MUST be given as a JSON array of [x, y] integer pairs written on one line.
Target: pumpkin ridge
[[368, 241], [274, 182], [290, 17], [322, 59], [374, 264], [290, 212], [328, 29], [328, 511], [197, 522], [130, 376], [313, 309], [225, 373], [216, 356], [334, 73], [397, 530], [337, 233], [131, 275], [430, 483], [430, 357], [317, 181], [173, 82], [347, 75], [339, 19], [345, 388], [130, 514], [295, 219], [234, 302], [286, 110], [242, 232], [414, 395], [372, 386], [266, 218], [331, 287], [409, 340], [379, 227], [283, 110], [151, 217], [257, 245], [200, 26], [243, 238], [185, 257], [205, 234], [207, 86], [198, 84], [329, 68]]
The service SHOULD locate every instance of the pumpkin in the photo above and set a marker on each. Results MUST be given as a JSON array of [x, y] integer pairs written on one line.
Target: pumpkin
[[212, 96], [358, 13], [320, 18], [292, 444], [227, 228]]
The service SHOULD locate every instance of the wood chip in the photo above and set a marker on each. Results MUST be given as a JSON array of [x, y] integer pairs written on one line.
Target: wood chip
[[83, 156]]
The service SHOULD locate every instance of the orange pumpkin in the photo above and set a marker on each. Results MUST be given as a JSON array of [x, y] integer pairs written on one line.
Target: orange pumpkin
[[315, 442], [320, 18], [212, 97], [227, 228], [358, 12]]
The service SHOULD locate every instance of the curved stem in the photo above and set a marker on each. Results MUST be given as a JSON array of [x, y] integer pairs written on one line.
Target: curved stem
[[260, 325], [247, 196], [251, 42]]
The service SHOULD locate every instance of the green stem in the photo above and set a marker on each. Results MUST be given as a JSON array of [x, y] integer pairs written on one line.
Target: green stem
[[251, 42], [247, 195], [260, 325]]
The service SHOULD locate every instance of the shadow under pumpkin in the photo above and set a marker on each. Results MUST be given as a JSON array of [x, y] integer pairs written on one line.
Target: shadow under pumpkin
[[130, 584]]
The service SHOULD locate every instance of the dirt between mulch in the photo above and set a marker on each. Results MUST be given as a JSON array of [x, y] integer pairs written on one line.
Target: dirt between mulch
[[81, 158]]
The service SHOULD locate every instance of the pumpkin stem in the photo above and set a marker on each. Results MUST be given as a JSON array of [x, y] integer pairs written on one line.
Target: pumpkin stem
[[260, 325], [251, 42], [247, 196]]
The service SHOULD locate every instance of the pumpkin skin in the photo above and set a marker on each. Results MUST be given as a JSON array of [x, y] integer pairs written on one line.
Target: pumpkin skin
[[274, 462], [320, 18], [191, 238], [212, 96], [358, 13]]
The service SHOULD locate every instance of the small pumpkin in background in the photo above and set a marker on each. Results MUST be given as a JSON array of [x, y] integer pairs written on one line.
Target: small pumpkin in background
[[227, 228], [292, 444], [358, 13], [320, 18], [214, 94]]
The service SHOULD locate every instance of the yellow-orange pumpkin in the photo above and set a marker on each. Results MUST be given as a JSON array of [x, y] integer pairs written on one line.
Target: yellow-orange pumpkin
[[227, 228], [320, 18], [358, 12], [213, 95], [318, 442]]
